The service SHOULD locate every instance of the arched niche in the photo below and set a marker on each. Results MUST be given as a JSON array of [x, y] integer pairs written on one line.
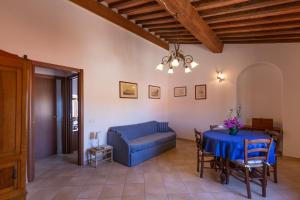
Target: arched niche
[[260, 93]]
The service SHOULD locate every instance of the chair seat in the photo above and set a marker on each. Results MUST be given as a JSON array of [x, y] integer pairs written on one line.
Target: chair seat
[[207, 153], [251, 163]]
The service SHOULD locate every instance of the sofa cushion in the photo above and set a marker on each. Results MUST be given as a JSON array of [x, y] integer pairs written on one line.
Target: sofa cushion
[[163, 127], [149, 141], [130, 132]]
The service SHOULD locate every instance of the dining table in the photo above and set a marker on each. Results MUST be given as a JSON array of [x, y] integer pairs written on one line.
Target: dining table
[[226, 147]]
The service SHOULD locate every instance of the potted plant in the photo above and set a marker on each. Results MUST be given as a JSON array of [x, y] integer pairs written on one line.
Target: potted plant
[[232, 122]]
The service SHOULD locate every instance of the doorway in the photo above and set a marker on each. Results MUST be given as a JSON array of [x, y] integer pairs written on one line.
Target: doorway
[[56, 115]]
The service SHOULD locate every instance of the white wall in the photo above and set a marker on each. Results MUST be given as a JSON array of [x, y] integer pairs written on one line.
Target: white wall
[[259, 92], [62, 33], [185, 113]]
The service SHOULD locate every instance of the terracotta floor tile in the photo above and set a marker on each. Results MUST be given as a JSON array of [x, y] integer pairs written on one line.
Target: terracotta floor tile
[[170, 176], [134, 189], [112, 190]]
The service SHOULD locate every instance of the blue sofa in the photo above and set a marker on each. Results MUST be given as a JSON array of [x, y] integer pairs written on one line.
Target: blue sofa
[[136, 143]]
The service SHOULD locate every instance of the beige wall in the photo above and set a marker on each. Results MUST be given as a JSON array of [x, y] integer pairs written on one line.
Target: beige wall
[[259, 92], [57, 31], [185, 113]]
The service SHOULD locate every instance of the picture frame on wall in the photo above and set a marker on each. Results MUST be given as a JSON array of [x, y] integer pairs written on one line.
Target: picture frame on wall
[[200, 92], [154, 92], [180, 91], [128, 90]]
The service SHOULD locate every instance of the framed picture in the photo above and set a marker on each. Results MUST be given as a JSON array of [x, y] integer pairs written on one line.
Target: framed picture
[[200, 92], [128, 90], [180, 91], [154, 92]]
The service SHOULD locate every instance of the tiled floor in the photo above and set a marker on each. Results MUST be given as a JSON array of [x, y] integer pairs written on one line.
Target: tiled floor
[[170, 176]]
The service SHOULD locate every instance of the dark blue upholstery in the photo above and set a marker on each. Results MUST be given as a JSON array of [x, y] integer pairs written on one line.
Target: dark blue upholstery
[[136, 143], [163, 127]]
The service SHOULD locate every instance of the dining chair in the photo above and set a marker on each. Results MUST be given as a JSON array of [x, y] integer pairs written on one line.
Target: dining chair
[[202, 154], [273, 167], [254, 165]]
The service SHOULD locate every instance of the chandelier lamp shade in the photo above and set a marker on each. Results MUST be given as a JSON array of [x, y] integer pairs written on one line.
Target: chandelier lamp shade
[[176, 59]]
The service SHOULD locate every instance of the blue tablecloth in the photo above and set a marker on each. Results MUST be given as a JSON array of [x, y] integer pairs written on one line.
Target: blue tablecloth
[[221, 144]]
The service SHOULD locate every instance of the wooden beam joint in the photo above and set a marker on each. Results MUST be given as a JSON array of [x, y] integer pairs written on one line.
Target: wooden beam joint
[[187, 15]]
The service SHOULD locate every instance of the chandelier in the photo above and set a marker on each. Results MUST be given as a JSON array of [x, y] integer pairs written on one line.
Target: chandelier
[[175, 59]]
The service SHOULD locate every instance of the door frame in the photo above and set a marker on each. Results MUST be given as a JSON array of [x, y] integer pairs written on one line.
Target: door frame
[[31, 147]]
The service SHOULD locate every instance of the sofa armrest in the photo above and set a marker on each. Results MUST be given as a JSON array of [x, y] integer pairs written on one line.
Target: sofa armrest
[[171, 130], [121, 148]]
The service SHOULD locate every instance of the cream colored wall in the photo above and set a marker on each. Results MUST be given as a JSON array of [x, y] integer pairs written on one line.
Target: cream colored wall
[[259, 92], [185, 113], [60, 32]]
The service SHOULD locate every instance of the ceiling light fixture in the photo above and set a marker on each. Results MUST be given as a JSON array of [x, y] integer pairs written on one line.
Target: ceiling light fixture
[[177, 58]]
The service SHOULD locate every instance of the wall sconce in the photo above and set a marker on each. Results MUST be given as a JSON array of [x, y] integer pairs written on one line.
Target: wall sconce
[[220, 76]]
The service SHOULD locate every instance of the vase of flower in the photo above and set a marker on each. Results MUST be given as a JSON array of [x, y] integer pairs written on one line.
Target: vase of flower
[[233, 131], [233, 124]]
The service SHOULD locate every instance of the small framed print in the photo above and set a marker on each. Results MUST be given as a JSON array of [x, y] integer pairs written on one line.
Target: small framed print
[[128, 90], [180, 91], [200, 92], [154, 92]]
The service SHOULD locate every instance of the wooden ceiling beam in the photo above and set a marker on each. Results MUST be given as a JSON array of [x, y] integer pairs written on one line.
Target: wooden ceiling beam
[[256, 15], [260, 28], [164, 25], [215, 4], [149, 16], [190, 19], [261, 33], [156, 21], [166, 29], [283, 36], [184, 34], [263, 21], [112, 1], [249, 7], [115, 18], [180, 38], [146, 8], [186, 42], [129, 4], [163, 34], [263, 41]]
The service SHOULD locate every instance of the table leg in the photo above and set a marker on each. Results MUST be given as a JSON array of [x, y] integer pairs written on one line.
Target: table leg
[[227, 170], [222, 171]]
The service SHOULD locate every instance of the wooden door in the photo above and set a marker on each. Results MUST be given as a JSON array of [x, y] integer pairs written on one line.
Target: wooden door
[[74, 113], [14, 79], [71, 134], [44, 113]]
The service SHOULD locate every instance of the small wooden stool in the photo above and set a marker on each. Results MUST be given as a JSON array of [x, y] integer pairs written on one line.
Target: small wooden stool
[[98, 154]]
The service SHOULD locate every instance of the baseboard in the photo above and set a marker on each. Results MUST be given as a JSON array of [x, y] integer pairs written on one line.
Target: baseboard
[[291, 158]]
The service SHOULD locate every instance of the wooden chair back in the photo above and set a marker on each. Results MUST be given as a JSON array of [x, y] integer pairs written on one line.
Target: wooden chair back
[[276, 136], [199, 139], [262, 151], [217, 127], [262, 124]]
